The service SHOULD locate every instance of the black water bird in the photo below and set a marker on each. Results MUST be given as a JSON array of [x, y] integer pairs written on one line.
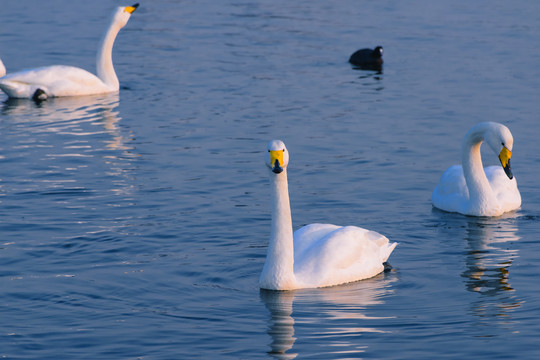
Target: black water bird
[[368, 59]]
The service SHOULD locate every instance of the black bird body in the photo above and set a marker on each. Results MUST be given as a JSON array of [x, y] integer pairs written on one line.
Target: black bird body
[[368, 59]]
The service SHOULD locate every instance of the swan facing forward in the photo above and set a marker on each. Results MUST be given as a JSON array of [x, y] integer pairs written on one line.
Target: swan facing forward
[[315, 255], [62, 80], [470, 189]]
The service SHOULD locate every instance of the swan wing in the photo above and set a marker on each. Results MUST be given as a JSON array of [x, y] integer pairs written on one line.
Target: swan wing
[[57, 80], [451, 193], [505, 189], [335, 255], [307, 235]]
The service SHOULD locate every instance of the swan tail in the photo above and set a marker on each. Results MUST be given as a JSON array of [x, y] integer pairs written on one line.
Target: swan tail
[[18, 89], [8, 88], [386, 250]]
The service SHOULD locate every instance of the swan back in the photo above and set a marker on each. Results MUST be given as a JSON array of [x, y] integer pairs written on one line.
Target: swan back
[[337, 255]]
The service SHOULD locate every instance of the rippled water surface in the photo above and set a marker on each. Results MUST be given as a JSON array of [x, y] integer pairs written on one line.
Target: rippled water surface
[[135, 225]]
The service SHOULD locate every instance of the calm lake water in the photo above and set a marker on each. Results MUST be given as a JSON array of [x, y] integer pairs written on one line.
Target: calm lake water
[[135, 225]]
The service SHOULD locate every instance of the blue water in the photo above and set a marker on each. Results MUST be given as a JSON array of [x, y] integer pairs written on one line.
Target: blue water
[[135, 225]]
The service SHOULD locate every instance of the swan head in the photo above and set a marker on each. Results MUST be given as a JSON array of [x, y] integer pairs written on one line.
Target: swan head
[[500, 140], [122, 14], [277, 156]]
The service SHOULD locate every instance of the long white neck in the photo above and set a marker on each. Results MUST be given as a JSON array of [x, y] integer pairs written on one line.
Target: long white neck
[[278, 270], [104, 64], [481, 195]]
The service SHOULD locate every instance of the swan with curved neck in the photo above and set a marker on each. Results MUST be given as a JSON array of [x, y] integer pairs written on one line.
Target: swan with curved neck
[[61, 80], [470, 189], [315, 255]]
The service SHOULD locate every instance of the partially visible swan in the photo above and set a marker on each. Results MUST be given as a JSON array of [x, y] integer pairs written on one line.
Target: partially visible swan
[[316, 255], [61, 80], [470, 189], [2, 68]]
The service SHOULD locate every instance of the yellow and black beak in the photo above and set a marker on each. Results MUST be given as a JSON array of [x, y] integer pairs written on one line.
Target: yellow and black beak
[[504, 157], [131, 9], [276, 160]]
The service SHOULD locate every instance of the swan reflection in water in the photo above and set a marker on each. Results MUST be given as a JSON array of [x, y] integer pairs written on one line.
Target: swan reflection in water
[[70, 115], [339, 313], [64, 134], [489, 257]]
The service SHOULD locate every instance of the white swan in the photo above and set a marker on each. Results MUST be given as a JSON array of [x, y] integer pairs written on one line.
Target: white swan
[[315, 255], [2, 68], [61, 80], [470, 189]]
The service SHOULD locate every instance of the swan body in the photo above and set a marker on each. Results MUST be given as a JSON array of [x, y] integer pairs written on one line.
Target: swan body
[[61, 80], [471, 189], [316, 255]]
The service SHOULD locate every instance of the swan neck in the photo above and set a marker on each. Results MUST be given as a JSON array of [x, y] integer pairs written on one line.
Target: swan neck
[[278, 271], [473, 170], [281, 211], [104, 63]]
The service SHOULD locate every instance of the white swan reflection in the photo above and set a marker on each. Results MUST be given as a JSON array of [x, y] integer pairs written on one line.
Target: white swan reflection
[[69, 116], [490, 255], [63, 134], [336, 311]]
